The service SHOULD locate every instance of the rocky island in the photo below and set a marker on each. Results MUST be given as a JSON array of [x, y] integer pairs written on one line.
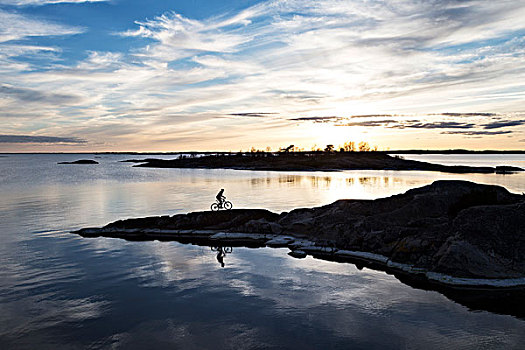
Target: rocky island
[[311, 161], [457, 234]]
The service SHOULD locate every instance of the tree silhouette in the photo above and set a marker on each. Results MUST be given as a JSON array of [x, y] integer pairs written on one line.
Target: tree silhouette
[[287, 149], [349, 146], [364, 147]]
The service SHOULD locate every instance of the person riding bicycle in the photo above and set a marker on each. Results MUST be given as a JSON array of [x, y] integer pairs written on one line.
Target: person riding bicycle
[[220, 197]]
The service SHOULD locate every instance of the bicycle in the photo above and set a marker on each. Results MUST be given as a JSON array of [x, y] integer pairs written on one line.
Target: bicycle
[[225, 250], [221, 205]]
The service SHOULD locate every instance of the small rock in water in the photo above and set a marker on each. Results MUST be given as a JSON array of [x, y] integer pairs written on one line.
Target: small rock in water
[[81, 161], [280, 241], [299, 254]]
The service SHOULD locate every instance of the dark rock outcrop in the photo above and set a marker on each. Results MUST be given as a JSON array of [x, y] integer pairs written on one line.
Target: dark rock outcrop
[[221, 220], [428, 226], [81, 161], [457, 229]]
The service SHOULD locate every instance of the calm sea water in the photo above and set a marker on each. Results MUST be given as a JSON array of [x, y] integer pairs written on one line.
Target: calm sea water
[[59, 290]]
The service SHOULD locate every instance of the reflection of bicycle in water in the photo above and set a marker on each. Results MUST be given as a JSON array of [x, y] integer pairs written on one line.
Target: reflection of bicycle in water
[[221, 253], [224, 204]]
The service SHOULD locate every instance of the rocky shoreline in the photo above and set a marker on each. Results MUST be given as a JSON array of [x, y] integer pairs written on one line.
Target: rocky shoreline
[[312, 161], [454, 234]]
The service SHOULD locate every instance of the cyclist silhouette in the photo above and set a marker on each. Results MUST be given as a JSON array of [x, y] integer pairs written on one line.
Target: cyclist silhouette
[[220, 197], [221, 203]]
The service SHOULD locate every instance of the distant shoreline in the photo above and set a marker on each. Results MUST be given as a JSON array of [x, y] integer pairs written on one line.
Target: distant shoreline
[[413, 151]]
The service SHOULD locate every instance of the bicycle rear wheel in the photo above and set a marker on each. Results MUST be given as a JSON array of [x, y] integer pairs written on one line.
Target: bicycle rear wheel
[[228, 205], [214, 207]]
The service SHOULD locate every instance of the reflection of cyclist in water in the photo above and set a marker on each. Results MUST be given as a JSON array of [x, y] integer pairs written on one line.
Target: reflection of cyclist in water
[[220, 256], [220, 197], [221, 253]]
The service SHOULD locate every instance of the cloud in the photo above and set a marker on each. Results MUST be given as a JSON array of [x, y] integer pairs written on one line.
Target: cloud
[[39, 139], [475, 133], [44, 2], [503, 124], [434, 125], [369, 123], [468, 114], [14, 26], [35, 96], [319, 119], [400, 123], [325, 119], [325, 37], [416, 124], [178, 36], [372, 116], [253, 115]]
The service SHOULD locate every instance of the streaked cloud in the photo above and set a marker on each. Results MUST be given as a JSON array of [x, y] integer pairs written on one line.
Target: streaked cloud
[[475, 133], [252, 114], [434, 125], [449, 114], [36, 96], [15, 26], [178, 36], [325, 119], [503, 124], [39, 139], [317, 119], [44, 2], [368, 123], [401, 122]]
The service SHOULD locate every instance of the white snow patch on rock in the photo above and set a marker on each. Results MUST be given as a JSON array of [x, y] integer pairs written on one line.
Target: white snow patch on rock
[[364, 255]]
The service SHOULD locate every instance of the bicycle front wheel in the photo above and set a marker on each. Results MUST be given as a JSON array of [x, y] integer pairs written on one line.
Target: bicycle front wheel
[[214, 207], [228, 205]]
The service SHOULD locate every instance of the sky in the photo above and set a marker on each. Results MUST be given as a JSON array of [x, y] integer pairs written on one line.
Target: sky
[[161, 76]]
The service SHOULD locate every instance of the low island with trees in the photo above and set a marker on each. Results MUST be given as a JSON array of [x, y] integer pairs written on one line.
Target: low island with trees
[[346, 157]]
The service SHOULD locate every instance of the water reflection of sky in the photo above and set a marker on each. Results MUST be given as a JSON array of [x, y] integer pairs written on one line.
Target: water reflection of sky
[[62, 290], [311, 189]]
